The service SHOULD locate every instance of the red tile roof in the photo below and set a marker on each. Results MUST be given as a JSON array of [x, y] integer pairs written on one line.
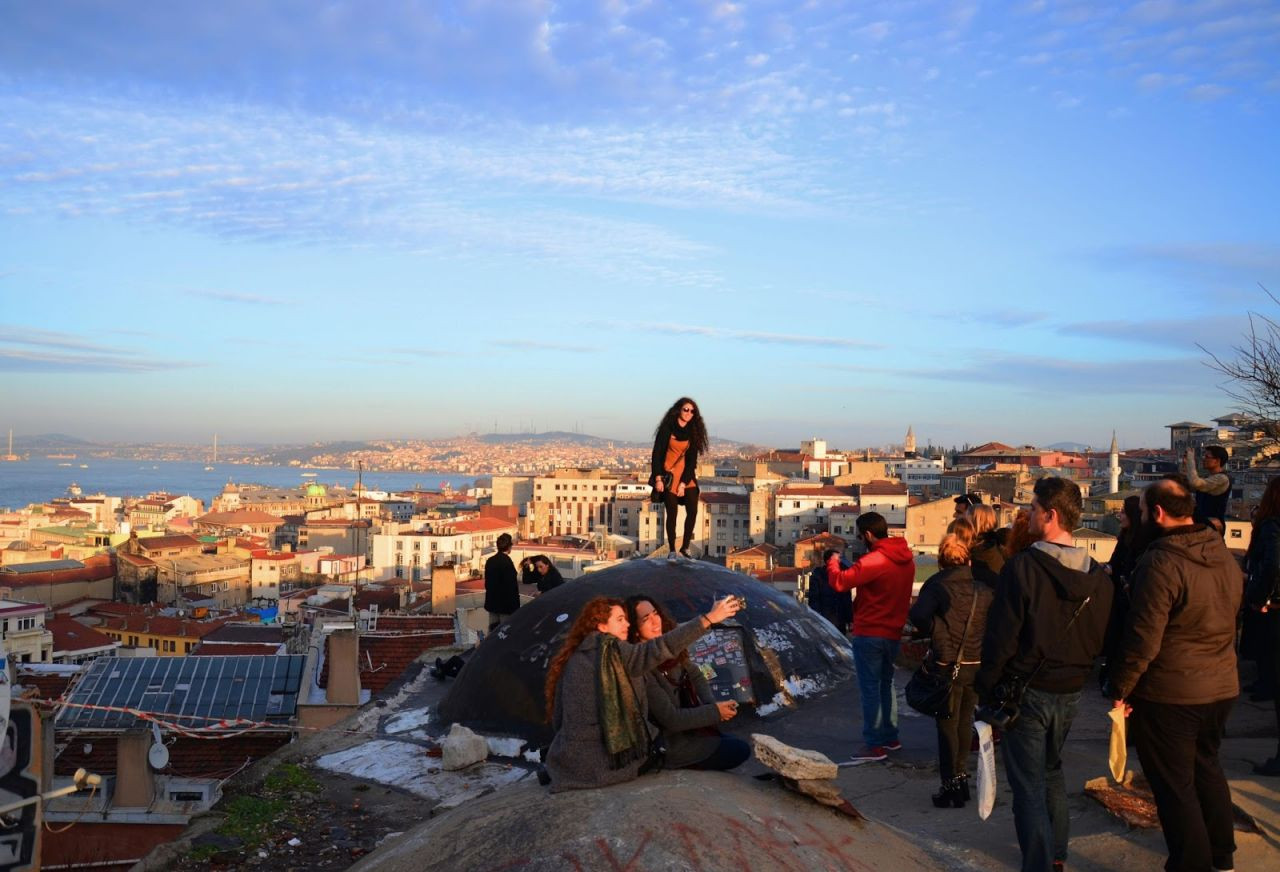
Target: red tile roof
[[397, 642], [882, 488], [155, 543], [241, 516], [481, 525], [826, 490], [71, 635]]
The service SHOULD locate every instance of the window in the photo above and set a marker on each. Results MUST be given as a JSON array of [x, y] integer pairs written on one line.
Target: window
[[1235, 534]]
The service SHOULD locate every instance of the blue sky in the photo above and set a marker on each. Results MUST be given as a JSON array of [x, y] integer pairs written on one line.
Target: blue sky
[[298, 221]]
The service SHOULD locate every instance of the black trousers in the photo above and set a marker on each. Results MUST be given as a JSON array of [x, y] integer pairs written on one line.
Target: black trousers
[[1178, 746], [955, 733], [690, 502]]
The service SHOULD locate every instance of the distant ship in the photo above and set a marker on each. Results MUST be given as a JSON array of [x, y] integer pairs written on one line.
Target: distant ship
[[74, 490], [64, 464], [309, 475], [60, 457], [84, 466], [10, 457]]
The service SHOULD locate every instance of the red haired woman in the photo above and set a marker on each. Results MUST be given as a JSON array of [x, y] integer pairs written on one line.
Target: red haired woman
[[943, 613], [596, 698]]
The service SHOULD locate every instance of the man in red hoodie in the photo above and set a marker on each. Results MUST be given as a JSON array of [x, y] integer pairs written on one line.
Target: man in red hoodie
[[883, 577]]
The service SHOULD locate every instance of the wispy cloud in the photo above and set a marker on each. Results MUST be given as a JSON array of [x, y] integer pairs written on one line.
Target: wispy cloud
[[242, 299], [755, 336], [1072, 380], [1210, 331], [1251, 261], [13, 334], [33, 350], [536, 345]]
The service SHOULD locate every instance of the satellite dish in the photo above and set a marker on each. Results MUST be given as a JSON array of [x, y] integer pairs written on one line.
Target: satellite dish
[[158, 756]]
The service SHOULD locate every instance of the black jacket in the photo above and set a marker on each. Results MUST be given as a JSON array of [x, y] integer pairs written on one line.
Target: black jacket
[[836, 607], [942, 609], [1264, 564], [1179, 638], [501, 590], [660, 442], [987, 556], [550, 581], [1034, 601]]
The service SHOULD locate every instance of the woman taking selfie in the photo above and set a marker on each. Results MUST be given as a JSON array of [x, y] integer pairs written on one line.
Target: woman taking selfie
[[596, 698], [679, 439], [680, 699]]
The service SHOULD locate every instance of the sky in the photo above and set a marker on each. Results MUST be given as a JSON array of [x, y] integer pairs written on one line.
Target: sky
[[300, 221]]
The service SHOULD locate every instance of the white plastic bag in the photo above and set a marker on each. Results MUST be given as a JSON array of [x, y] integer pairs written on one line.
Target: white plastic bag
[[986, 769]]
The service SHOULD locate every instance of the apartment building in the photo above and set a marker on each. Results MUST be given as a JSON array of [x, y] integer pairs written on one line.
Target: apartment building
[[572, 502], [725, 524], [800, 510], [920, 475], [23, 633]]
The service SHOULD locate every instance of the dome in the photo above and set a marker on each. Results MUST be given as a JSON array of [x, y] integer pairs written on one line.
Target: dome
[[315, 490], [768, 655]]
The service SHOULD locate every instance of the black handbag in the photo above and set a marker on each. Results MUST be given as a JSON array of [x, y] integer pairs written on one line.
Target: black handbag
[[929, 692]]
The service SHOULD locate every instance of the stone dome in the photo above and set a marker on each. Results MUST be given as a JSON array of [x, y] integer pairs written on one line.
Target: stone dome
[[772, 654], [315, 490]]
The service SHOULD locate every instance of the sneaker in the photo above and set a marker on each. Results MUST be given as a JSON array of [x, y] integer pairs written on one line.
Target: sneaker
[[867, 754], [672, 556], [895, 745], [685, 555]]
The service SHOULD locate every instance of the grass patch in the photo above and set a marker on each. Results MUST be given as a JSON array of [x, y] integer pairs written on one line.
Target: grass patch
[[252, 817]]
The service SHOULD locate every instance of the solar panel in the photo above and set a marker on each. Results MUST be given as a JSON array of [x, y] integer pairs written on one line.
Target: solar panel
[[258, 688]]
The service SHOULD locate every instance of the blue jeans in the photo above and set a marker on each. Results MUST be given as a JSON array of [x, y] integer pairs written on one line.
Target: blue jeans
[[873, 659], [1033, 765]]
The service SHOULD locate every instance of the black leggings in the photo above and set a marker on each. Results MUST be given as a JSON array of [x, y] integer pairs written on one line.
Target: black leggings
[[690, 503], [954, 733]]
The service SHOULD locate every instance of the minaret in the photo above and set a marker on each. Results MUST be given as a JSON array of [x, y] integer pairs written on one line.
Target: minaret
[[909, 444], [1114, 468]]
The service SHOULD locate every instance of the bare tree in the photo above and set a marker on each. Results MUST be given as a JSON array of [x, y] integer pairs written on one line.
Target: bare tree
[[1253, 370]]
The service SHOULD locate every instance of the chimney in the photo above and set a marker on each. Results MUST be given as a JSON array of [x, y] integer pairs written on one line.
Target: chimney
[[444, 581], [344, 668], [135, 786]]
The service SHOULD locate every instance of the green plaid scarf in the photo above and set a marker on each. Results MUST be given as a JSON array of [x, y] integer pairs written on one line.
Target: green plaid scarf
[[621, 726]]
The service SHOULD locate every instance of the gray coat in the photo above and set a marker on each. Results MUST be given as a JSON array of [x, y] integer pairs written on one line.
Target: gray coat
[[577, 757], [684, 748]]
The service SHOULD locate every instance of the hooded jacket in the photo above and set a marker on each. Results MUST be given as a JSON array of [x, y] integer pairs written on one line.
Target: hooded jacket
[[1040, 589], [1178, 645], [884, 576]]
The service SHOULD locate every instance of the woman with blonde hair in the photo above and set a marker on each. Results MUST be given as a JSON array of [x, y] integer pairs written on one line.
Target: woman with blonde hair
[[596, 697], [986, 552], [951, 612]]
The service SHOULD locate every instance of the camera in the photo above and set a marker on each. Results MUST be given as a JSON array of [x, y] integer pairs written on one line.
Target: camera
[[1007, 700]]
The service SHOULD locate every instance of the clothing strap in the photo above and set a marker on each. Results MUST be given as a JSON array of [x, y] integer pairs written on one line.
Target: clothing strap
[[964, 638]]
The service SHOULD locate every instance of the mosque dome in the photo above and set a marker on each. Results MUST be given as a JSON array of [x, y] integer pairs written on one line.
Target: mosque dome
[[315, 490]]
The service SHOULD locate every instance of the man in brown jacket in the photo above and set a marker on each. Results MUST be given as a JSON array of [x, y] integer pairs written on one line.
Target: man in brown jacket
[[1175, 672]]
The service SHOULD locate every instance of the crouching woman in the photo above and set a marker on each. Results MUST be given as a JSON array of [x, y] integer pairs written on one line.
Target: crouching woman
[[596, 698]]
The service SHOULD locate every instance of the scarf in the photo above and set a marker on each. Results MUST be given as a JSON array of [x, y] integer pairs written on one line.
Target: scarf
[[621, 726]]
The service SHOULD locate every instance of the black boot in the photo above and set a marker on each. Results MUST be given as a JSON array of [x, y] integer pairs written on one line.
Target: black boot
[[964, 786], [950, 795]]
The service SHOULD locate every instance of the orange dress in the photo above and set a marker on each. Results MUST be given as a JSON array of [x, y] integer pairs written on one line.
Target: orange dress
[[674, 462]]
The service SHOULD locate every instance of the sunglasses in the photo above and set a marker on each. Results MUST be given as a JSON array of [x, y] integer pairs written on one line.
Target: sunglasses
[[687, 410]]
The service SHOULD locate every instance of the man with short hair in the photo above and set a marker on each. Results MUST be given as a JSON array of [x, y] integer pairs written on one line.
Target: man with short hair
[[1046, 625], [964, 503], [1176, 670], [883, 577], [1214, 490], [501, 587]]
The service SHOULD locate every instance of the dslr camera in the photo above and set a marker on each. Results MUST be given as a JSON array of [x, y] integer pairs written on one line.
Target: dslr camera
[[1006, 702]]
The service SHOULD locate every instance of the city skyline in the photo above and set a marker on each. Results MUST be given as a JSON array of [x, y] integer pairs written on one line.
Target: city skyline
[[825, 219]]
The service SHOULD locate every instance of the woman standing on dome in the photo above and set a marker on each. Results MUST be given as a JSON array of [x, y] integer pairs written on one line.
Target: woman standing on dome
[[679, 439]]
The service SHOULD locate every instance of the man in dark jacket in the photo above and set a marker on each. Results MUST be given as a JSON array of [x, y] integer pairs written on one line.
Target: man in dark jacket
[[835, 607], [1047, 624], [884, 577], [501, 587], [1176, 670]]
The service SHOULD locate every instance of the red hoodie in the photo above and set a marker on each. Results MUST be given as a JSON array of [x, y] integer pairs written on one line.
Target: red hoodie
[[884, 575]]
